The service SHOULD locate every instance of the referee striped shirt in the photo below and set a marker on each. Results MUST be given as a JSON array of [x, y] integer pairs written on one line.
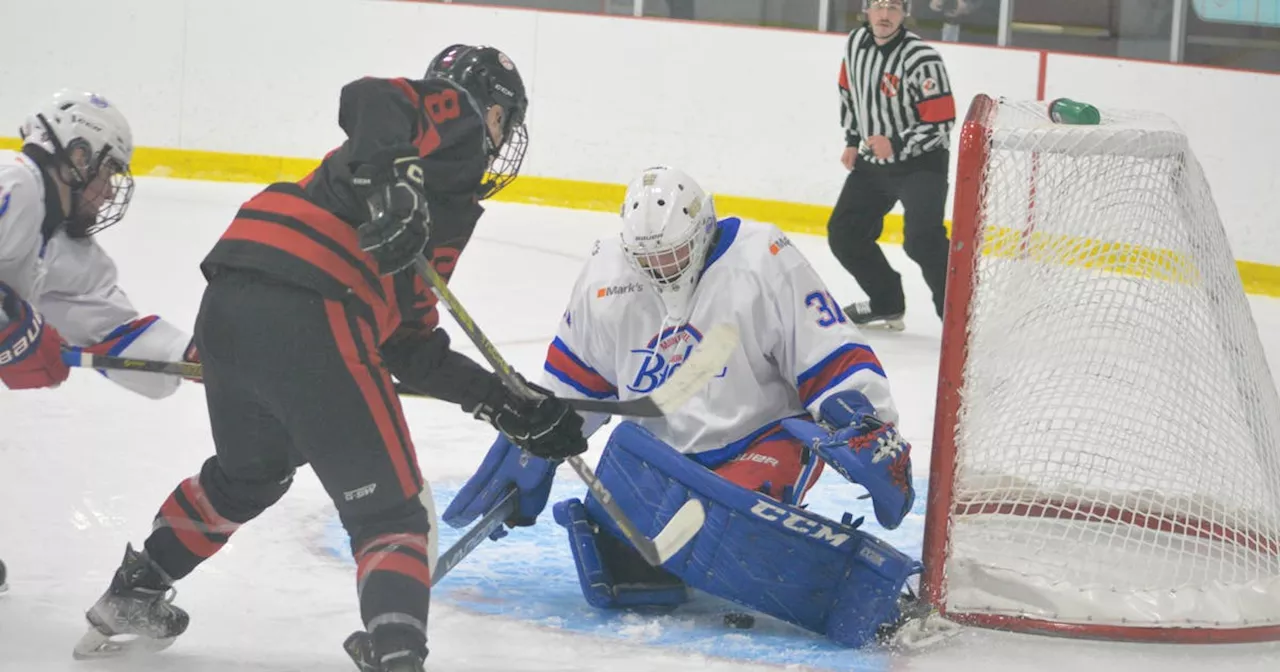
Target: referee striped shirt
[[899, 90]]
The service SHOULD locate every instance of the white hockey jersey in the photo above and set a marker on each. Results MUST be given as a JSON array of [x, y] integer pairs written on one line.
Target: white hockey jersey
[[72, 282], [797, 347]]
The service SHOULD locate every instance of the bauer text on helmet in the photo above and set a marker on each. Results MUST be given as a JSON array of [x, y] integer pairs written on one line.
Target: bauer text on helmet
[[87, 143]]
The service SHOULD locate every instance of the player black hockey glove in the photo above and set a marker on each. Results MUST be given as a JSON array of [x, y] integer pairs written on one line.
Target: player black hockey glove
[[393, 185], [545, 427]]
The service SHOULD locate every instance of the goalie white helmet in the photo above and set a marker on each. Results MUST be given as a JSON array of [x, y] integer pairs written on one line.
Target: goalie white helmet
[[91, 138], [667, 226]]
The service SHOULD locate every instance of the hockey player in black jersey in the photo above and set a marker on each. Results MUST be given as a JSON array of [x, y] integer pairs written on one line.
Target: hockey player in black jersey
[[311, 306]]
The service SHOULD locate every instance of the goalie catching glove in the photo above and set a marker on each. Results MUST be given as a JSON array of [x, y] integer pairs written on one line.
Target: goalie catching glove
[[393, 185], [865, 450]]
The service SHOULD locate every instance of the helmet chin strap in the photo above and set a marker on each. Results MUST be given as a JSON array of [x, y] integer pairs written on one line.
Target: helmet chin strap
[[75, 187]]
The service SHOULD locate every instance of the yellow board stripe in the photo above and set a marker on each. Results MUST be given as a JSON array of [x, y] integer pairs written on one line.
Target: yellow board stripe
[[1257, 278]]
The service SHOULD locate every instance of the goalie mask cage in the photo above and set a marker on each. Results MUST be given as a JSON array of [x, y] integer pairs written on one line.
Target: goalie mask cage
[[1106, 459]]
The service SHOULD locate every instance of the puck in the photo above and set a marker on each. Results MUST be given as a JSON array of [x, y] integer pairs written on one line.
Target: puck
[[739, 620]]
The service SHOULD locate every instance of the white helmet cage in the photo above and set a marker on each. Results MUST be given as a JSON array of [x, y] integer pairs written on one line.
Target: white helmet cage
[[667, 226], [89, 135]]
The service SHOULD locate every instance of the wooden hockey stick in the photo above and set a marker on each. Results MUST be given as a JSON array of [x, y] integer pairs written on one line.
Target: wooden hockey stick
[[688, 520]]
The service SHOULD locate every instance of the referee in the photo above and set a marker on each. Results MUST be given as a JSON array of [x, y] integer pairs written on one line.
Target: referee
[[897, 111]]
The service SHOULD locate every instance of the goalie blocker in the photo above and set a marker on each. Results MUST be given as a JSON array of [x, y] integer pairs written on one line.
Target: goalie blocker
[[821, 575]]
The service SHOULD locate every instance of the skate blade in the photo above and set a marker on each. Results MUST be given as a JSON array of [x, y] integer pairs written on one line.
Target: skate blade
[[923, 632], [891, 324], [94, 644]]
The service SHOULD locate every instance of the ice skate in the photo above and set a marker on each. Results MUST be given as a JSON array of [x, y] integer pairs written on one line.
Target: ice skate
[[3, 586], [359, 645], [136, 613], [861, 314], [918, 626]]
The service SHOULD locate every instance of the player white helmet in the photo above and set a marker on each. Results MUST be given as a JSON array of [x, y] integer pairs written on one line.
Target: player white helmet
[[92, 139], [667, 226]]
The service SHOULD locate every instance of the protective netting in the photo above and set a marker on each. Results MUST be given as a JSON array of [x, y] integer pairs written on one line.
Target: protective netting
[[1117, 453]]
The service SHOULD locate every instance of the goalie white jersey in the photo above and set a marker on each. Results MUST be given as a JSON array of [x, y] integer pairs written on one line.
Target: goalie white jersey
[[797, 347], [72, 282]]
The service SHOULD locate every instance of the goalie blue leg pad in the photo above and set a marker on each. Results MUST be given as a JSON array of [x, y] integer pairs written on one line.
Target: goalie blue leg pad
[[805, 569], [612, 574]]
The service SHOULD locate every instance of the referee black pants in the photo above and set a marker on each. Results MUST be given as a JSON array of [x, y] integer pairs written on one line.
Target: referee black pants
[[294, 378], [869, 193]]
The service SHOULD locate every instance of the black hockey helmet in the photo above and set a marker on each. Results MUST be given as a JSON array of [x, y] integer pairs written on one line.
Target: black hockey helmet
[[490, 78]]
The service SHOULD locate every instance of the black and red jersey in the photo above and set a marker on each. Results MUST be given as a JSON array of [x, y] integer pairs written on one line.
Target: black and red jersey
[[304, 232]]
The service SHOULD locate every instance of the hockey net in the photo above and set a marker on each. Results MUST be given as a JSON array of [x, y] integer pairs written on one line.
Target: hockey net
[[1106, 455]]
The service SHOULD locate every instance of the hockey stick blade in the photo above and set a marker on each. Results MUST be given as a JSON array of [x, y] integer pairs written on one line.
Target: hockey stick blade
[[706, 362], [680, 530], [474, 536]]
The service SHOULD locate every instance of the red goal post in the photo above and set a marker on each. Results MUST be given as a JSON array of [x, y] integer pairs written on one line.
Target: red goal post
[[1106, 451]]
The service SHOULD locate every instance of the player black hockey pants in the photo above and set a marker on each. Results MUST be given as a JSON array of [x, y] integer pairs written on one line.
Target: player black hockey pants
[[293, 378], [858, 219]]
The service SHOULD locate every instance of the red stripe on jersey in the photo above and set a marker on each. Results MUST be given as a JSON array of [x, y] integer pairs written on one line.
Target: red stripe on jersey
[[406, 88], [937, 110], [844, 77], [562, 362], [393, 407], [379, 410], [316, 217], [310, 251], [850, 359]]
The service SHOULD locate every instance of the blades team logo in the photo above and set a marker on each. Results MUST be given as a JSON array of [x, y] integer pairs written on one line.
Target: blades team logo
[[662, 355]]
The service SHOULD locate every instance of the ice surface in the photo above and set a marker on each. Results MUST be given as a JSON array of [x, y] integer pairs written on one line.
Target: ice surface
[[84, 467]]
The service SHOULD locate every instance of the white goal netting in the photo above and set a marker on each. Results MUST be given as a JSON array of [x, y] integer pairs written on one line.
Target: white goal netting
[[1117, 444]]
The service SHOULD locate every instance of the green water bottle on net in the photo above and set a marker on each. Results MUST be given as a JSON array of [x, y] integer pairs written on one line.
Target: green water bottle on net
[[1075, 113]]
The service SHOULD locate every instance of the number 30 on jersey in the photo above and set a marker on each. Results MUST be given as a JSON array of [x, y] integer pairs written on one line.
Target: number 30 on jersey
[[829, 312]]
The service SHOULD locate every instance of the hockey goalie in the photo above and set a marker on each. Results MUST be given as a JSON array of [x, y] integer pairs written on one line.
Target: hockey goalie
[[802, 391]]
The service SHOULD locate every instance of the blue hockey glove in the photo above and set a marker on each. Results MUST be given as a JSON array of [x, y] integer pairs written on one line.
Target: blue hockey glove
[[504, 466], [869, 452]]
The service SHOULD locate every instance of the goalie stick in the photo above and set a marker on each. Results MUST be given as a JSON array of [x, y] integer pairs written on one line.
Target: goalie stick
[[706, 361]]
